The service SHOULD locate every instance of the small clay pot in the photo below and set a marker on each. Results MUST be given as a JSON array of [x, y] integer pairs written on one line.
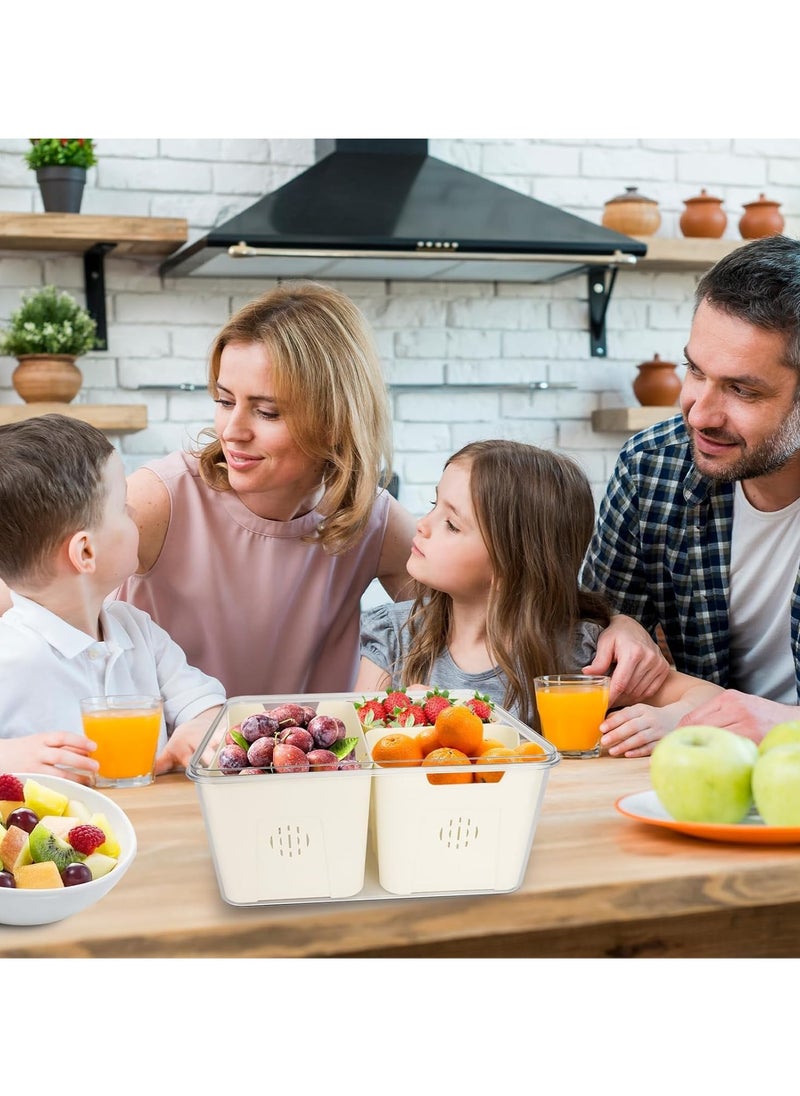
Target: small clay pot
[[632, 214], [657, 384], [761, 218], [47, 378], [703, 216]]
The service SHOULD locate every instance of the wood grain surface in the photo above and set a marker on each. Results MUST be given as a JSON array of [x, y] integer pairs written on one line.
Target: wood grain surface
[[597, 884]]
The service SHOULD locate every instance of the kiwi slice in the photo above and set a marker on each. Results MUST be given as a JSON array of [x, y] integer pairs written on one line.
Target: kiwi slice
[[44, 845]]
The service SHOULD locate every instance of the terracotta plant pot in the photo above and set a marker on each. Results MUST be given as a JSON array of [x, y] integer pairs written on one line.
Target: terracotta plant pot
[[657, 384], [46, 378], [703, 216], [761, 218], [632, 214]]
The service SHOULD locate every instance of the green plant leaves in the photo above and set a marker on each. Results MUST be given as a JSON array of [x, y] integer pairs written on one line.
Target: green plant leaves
[[50, 321], [67, 151]]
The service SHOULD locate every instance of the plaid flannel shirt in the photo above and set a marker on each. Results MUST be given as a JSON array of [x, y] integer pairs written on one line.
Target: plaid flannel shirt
[[661, 551]]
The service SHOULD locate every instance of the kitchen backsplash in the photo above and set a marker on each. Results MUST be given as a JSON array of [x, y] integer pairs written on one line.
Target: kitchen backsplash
[[462, 360]]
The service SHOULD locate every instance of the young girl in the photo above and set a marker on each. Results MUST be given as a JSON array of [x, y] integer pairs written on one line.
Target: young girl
[[496, 596]]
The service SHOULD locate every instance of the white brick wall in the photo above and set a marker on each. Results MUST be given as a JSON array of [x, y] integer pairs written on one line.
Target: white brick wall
[[459, 358]]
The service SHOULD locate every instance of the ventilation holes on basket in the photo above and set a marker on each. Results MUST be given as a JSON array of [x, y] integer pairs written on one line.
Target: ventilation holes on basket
[[289, 841], [458, 833]]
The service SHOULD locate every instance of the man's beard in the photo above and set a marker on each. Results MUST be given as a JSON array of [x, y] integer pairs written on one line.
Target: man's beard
[[770, 455]]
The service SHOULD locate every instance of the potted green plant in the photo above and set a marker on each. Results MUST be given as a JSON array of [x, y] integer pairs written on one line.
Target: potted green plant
[[60, 164], [46, 334]]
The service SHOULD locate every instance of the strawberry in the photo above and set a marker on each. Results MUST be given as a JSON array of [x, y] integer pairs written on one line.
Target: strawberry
[[395, 699], [371, 713], [481, 705], [411, 716], [435, 702], [11, 788], [86, 838]]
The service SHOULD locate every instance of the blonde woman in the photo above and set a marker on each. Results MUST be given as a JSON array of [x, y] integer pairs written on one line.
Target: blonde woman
[[255, 549]]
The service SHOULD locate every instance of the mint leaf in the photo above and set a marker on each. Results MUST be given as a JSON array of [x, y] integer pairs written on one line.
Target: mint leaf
[[240, 740], [343, 747]]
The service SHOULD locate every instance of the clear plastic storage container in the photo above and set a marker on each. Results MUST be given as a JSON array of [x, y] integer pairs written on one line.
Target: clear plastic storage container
[[371, 832]]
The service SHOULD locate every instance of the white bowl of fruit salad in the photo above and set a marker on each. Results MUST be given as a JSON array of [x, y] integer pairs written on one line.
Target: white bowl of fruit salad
[[63, 847]]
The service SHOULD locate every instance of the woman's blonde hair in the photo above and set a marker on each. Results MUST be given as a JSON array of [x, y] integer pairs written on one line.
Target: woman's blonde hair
[[329, 386], [535, 512]]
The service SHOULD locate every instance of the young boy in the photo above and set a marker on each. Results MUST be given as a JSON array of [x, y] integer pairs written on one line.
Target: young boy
[[67, 539]]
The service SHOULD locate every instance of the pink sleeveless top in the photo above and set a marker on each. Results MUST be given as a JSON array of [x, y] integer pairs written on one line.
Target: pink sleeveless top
[[249, 601]]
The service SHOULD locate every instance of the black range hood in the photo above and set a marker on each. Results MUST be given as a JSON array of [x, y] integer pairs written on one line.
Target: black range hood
[[385, 209]]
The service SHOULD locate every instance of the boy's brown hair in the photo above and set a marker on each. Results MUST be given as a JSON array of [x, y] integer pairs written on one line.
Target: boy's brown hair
[[51, 485]]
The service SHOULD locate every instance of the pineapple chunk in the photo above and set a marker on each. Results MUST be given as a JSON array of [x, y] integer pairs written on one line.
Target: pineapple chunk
[[42, 800], [110, 846], [79, 810], [99, 864]]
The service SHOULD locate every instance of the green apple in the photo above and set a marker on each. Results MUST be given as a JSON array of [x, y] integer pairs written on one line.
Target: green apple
[[703, 774], [776, 785], [779, 735]]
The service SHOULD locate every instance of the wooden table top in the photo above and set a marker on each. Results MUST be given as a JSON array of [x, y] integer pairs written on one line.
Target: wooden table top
[[597, 883]]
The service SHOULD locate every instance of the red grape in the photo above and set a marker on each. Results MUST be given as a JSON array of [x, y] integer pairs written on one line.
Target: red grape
[[75, 874], [7, 879], [24, 818]]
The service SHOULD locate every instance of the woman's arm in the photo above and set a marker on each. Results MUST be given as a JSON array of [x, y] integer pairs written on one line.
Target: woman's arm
[[149, 500], [392, 573]]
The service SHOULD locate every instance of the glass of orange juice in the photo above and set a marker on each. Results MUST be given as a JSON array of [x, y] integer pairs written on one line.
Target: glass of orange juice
[[571, 708], [126, 730]]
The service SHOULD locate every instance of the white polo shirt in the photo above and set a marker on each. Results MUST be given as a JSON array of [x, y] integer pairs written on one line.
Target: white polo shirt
[[46, 666]]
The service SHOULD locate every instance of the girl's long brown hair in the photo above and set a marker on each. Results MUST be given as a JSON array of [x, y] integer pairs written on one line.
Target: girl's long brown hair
[[330, 387], [535, 512]]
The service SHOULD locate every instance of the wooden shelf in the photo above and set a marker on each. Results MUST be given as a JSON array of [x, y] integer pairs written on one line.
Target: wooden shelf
[[629, 420], [94, 237], [112, 418], [78, 232], [684, 253]]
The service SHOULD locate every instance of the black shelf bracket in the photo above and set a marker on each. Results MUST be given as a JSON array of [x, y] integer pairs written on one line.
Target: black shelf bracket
[[94, 281], [599, 296]]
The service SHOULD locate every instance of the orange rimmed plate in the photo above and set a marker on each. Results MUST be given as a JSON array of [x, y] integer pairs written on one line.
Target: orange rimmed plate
[[646, 807]]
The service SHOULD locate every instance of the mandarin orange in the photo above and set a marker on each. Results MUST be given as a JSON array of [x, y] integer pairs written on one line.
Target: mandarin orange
[[460, 729], [398, 750], [490, 744], [447, 756], [428, 739], [494, 756], [530, 751]]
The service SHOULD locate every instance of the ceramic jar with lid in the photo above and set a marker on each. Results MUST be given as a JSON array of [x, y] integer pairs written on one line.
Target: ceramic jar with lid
[[632, 214], [703, 216], [761, 218], [657, 384]]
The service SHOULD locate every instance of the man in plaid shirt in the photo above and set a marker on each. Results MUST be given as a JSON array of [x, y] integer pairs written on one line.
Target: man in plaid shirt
[[699, 529]]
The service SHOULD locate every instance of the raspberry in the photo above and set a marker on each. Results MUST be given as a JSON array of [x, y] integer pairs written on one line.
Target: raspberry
[[11, 788], [85, 839]]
